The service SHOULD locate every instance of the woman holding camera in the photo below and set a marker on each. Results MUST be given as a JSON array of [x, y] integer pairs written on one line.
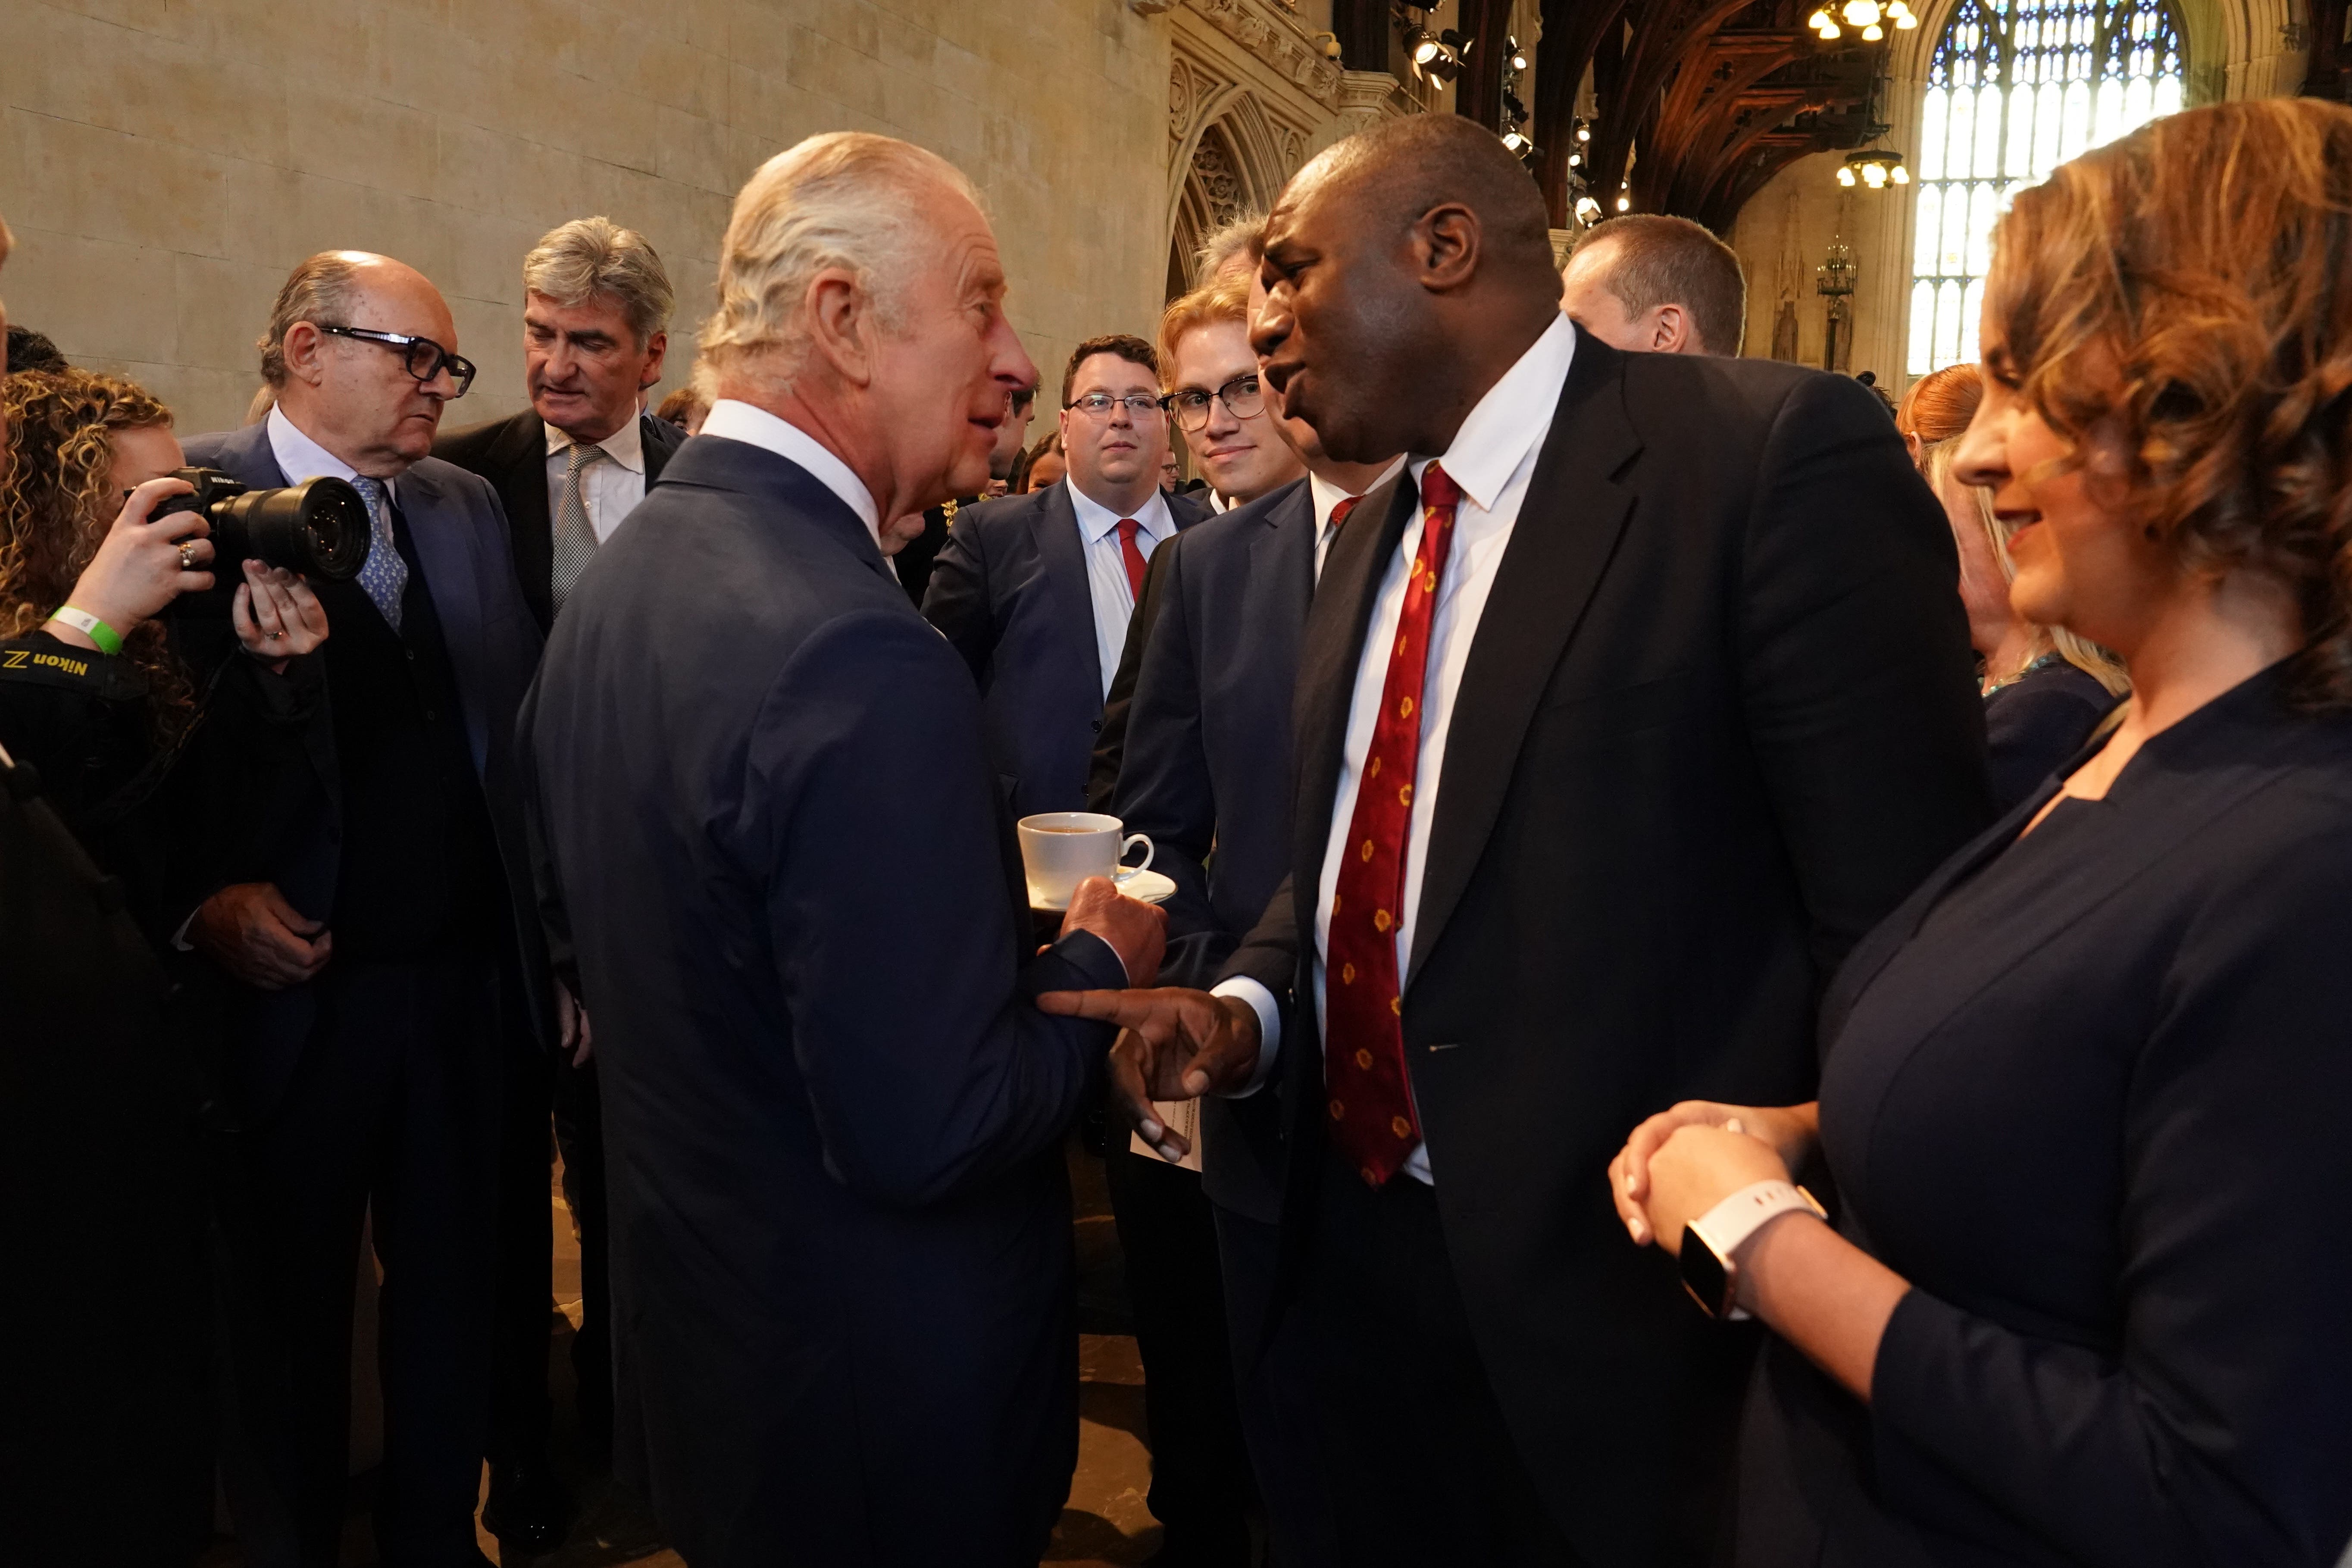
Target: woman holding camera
[[2083, 1094], [95, 692], [103, 1427]]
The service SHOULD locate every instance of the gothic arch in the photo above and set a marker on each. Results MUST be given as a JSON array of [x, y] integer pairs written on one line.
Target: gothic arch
[[1230, 157]]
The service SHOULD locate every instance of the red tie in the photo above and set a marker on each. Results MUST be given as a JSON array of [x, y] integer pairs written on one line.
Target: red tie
[[1372, 1119], [1341, 507], [1131, 555]]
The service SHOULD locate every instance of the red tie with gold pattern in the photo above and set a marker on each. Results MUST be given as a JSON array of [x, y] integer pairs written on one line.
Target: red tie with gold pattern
[[1341, 507], [1372, 1119], [1132, 556]]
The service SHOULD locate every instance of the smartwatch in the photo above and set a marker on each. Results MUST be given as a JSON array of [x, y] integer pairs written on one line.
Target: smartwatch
[[1710, 1241]]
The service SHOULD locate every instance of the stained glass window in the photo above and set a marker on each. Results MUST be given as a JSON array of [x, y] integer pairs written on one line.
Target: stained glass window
[[2016, 87]]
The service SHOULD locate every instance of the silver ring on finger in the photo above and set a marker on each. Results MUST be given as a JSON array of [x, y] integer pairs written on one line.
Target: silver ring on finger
[[188, 562]]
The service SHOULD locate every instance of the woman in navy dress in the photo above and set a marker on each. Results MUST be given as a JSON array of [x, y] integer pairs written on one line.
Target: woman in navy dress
[[2085, 1097]]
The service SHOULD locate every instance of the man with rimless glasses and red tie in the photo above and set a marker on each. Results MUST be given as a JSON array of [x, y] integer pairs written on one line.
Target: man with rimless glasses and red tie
[[1035, 590], [1621, 711]]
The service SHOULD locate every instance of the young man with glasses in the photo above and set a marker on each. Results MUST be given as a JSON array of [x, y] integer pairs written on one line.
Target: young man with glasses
[[1216, 402], [1035, 590], [384, 955]]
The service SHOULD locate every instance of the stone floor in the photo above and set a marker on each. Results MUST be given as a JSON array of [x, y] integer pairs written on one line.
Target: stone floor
[[1104, 1524]]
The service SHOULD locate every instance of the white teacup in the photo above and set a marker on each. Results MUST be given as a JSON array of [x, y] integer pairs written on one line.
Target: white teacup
[[1059, 849]]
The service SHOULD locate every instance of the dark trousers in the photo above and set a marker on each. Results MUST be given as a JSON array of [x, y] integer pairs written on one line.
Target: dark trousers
[[1278, 1421], [524, 1311], [1420, 1466], [1201, 1483], [392, 1112], [538, 1085]]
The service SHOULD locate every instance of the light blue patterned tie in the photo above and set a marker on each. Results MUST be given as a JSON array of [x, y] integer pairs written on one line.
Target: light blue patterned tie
[[385, 575]]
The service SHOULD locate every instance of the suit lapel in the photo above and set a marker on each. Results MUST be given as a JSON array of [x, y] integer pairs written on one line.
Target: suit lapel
[[1065, 559], [1282, 563], [1567, 528], [445, 549], [660, 439]]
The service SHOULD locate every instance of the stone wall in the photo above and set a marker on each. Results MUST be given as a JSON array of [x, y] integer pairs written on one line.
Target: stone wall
[[164, 162]]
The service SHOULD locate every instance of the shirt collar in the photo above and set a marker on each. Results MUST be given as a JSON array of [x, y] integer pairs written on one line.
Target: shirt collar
[[1328, 495], [1095, 521], [299, 457], [626, 446], [735, 421], [1509, 420]]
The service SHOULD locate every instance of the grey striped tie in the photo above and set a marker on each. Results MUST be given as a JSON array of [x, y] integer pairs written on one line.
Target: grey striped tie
[[575, 536], [386, 574]]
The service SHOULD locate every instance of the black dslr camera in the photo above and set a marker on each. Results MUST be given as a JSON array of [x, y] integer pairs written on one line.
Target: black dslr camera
[[320, 528]]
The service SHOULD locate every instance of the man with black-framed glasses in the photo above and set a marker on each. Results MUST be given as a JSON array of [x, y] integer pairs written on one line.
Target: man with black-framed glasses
[[1035, 590], [370, 963]]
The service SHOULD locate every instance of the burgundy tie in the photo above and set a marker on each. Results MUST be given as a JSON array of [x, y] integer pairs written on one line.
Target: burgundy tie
[[1372, 1119], [1133, 557]]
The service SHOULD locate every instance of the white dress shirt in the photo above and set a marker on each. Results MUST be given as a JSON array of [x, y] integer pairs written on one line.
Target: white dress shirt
[[1107, 585], [1492, 458], [733, 421], [1327, 497], [299, 457], [611, 489]]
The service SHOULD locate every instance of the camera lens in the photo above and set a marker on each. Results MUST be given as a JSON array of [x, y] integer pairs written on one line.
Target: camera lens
[[319, 528]]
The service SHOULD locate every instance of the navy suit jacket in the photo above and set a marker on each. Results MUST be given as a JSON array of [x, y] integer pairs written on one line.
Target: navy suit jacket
[[843, 1284], [1009, 589], [460, 538], [2084, 1090], [1206, 764]]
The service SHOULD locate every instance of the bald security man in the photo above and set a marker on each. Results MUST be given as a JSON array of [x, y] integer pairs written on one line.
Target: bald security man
[[1621, 713], [378, 955]]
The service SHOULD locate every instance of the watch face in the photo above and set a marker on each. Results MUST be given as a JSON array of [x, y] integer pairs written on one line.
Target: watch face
[[1704, 1275]]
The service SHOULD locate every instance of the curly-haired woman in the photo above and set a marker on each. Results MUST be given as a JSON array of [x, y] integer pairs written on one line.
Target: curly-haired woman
[[94, 692], [2084, 1094]]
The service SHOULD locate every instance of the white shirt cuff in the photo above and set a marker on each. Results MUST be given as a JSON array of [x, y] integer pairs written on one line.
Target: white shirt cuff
[[1269, 1029]]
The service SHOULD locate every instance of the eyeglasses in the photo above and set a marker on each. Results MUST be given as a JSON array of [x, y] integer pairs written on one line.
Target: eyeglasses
[[1242, 398], [420, 357], [1098, 404]]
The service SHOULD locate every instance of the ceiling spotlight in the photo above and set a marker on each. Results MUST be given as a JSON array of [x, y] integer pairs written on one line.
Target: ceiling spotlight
[[1845, 175], [1587, 209], [1444, 68], [1861, 13], [1576, 160], [1625, 204], [1518, 54], [1456, 43], [1872, 33], [1584, 132], [1514, 141], [1422, 45]]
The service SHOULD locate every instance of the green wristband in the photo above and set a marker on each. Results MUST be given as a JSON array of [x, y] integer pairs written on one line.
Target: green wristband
[[109, 640]]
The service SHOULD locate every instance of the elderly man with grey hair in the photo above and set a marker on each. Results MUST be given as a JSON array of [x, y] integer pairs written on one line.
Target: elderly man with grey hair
[[843, 1321]]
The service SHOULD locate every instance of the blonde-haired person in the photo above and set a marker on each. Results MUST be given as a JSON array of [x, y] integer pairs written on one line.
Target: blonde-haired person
[[2082, 1096], [2047, 689]]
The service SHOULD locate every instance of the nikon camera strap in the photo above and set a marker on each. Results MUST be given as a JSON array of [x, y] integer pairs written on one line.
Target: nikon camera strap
[[60, 665]]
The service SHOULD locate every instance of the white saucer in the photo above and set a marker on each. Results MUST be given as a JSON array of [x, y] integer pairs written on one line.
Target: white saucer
[[1148, 886]]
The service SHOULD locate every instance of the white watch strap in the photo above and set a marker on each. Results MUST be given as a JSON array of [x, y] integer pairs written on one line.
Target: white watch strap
[[1743, 1214]]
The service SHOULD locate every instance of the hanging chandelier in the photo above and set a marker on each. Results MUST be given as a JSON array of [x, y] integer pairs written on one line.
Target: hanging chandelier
[[1868, 16], [1875, 167]]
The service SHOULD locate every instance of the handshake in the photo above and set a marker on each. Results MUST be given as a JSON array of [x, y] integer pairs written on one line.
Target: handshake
[[1173, 1043]]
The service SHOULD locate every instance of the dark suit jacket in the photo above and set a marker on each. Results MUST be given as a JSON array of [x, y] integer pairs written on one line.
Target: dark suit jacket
[[460, 538], [2084, 1090], [1206, 764], [1718, 717], [511, 453], [1009, 589], [841, 1259]]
